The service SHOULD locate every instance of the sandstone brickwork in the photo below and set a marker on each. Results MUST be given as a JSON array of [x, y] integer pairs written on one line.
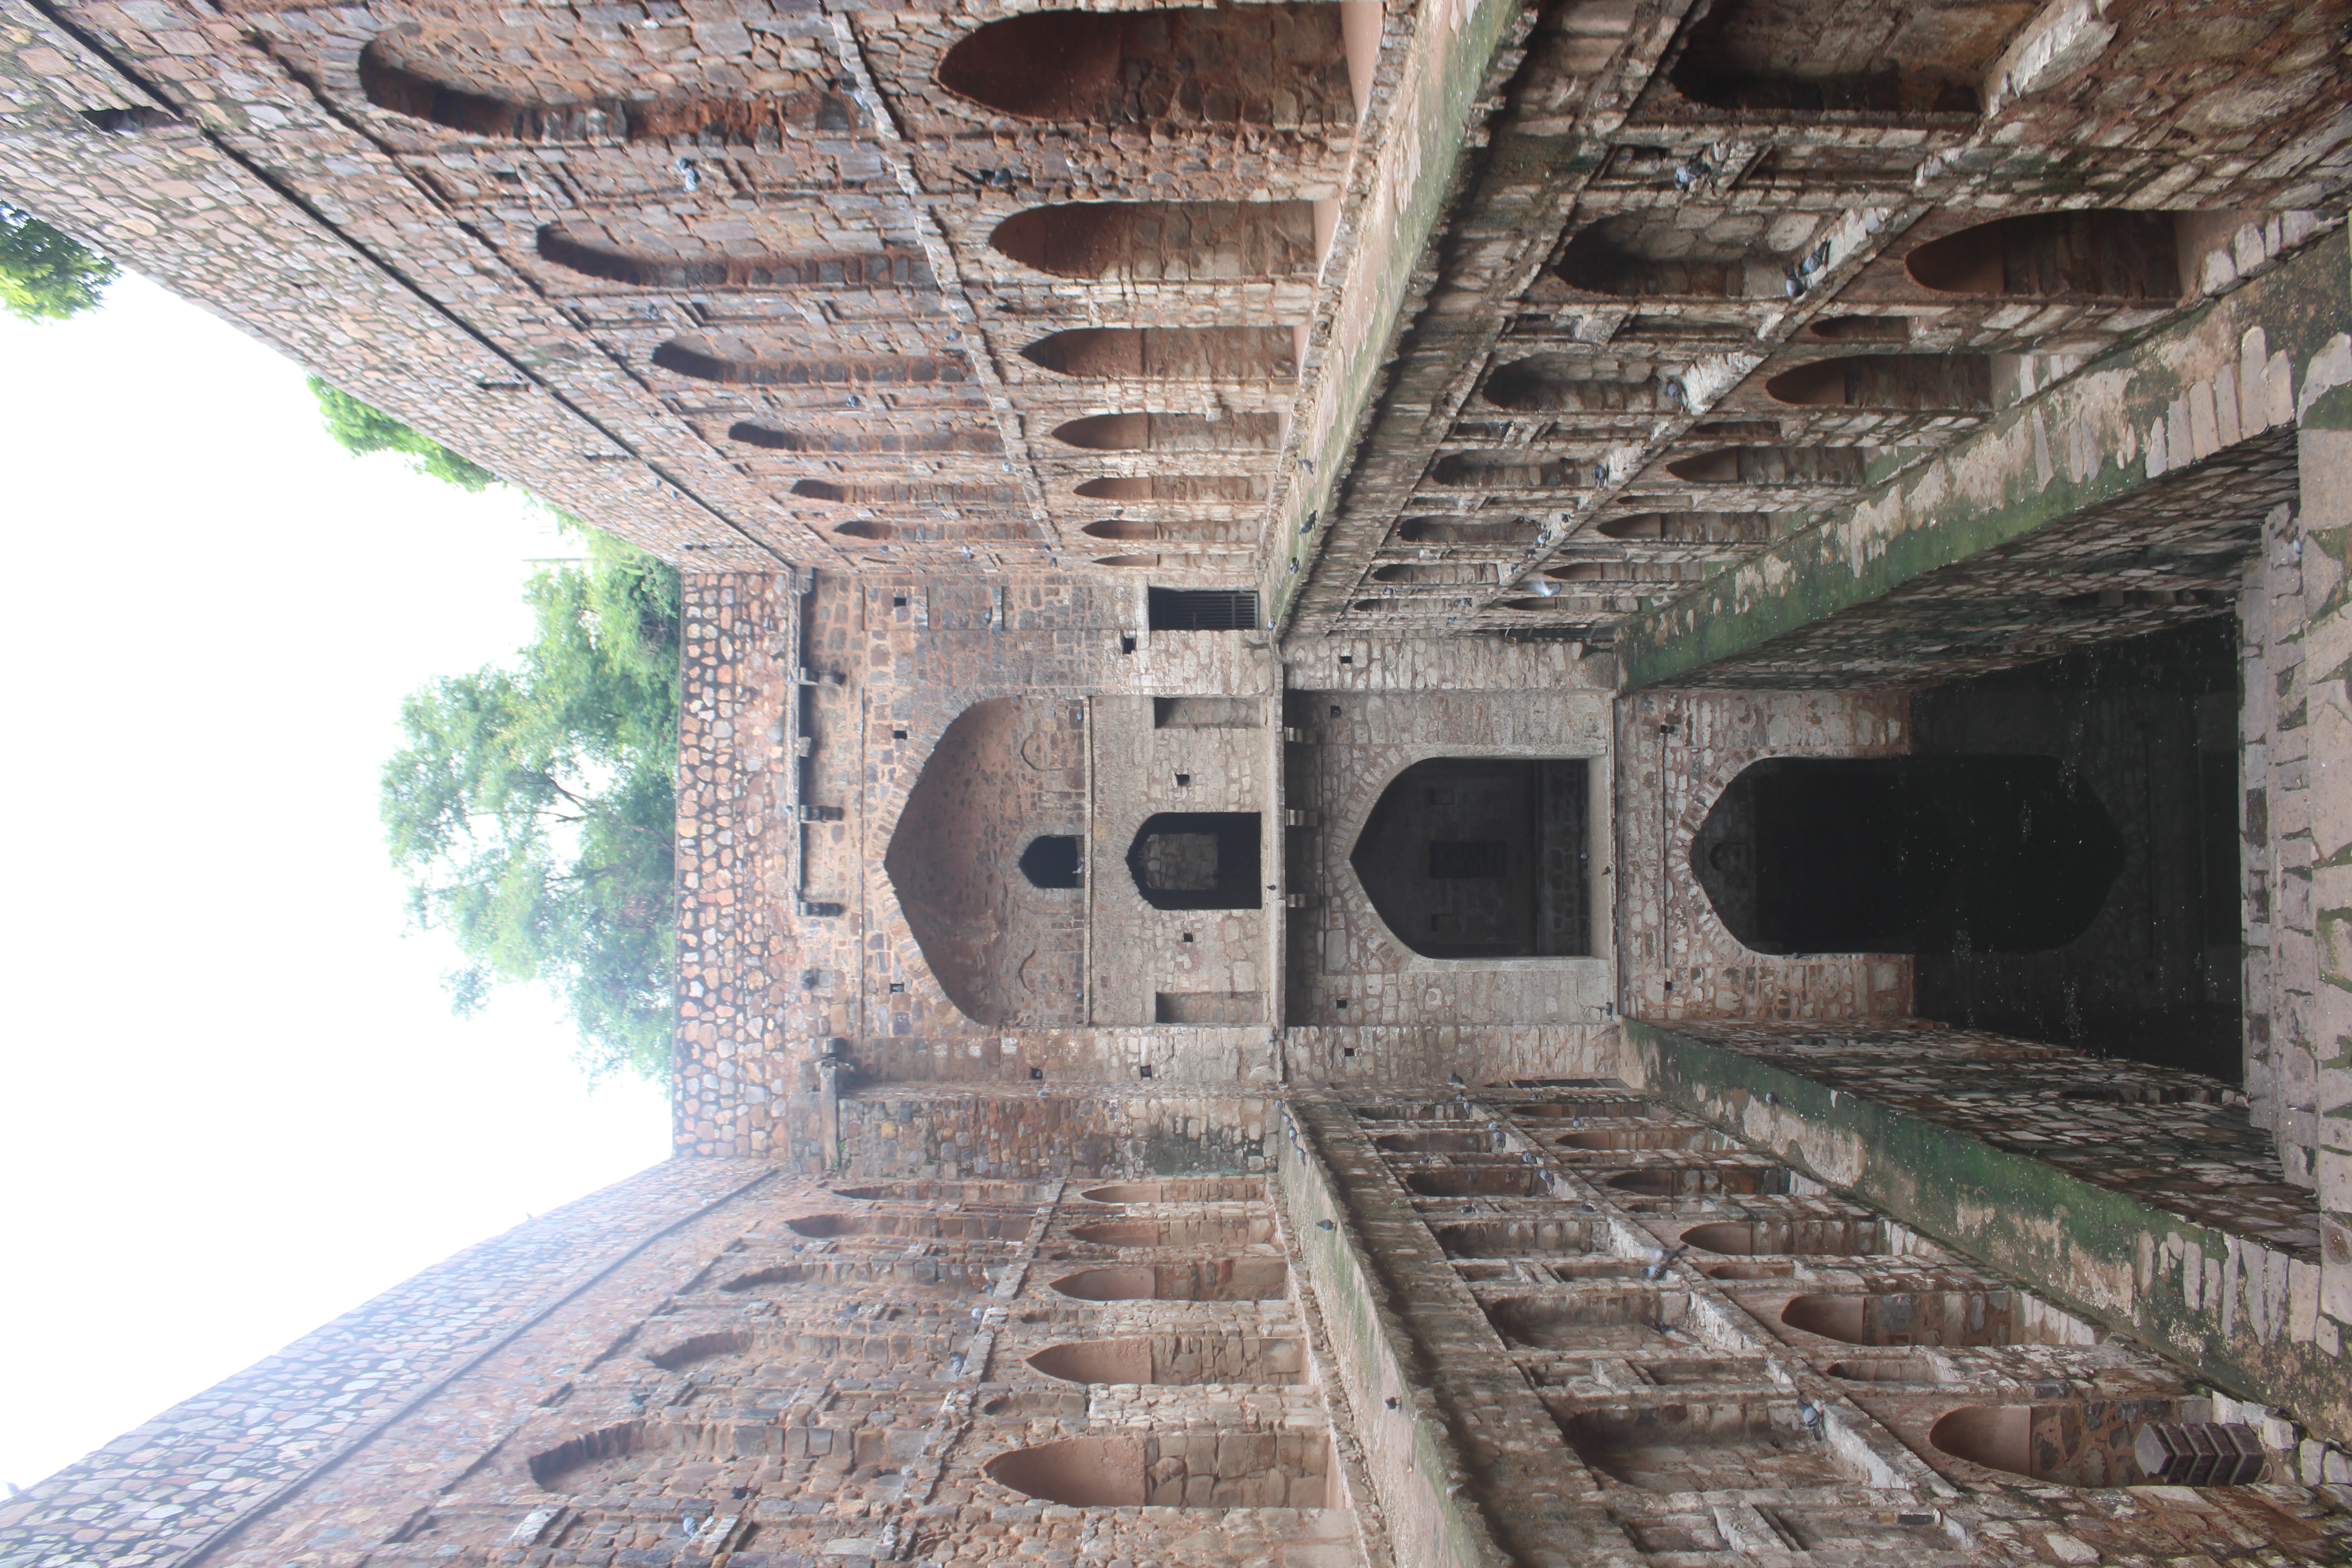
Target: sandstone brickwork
[[1232, 557]]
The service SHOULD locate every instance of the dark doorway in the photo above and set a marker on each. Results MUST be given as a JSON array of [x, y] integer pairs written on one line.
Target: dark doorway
[[1482, 857], [1200, 610], [2149, 724], [1052, 860], [1197, 860], [2006, 853]]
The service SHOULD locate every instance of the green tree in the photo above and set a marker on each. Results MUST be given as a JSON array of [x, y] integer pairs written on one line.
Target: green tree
[[46, 275], [361, 429], [533, 810]]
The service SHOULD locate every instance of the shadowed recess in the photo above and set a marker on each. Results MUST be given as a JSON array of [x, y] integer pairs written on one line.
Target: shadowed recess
[[1162, 241], [1273, 65], [456, 79], [1167, 354]]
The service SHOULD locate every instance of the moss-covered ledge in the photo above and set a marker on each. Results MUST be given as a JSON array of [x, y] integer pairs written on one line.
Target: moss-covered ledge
[[2249, 362], [2245, 1314]]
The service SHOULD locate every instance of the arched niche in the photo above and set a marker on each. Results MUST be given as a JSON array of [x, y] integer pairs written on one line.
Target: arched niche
[[1482, 857], [1204, 1279], [1176, 1357], [1176, 488], [2075, 1442], [1271, 65], [1542, 384], [1691, 527], [2130, 258], [741, 363], [1006, 772], [1172, 433], [618, 251], [1167, 354], [1171, 532], [1774, 466], [1198, 860], [1056, 860], [1908, 58], [1906, 855], [1900, 383], [460, 79], [1164, 241], [1469, 531]]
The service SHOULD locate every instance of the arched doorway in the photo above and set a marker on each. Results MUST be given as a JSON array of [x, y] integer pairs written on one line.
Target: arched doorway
[[1906, 855], [1482, 857]]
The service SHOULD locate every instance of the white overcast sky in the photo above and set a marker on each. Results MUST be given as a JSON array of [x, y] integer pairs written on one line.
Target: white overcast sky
[[233, 1101]]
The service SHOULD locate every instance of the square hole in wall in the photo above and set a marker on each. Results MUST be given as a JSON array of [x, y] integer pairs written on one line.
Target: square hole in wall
[[1341, 1003], [1143, 1071], [1188, 936], [1127, 645], [1347, 658], [1335, 710], [897, 601], [897, 989], [1347, 1050], [896, 735], [1184, 781], [1037, 1072]]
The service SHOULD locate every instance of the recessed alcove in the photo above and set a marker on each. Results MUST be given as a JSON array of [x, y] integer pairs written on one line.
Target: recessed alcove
[[1276, 65], [1667, 1136], [1952, 1318], [1164, 241], [1436, 1143], [1481, 1181], [1175, 1232], [1542, 384], [1190, 489], [1482, 857], [1908, 59], [1414, 1111], [1504, 471], [1774, 466], [1171, 433], [1897, 1370], [1585, 1109], [1900, 383], [596, 1461], [2095, 254], [1198, 860], [1205, 1280], [1055, 860], [702, 1348], [1174, 533], [1702, 1181], [742, 363], [931, 1278], [1469, 531], [1633, 256], [1210, 1470], [1859, 328], [2085, 1443], [1919, 854], [976, 438], [983, 1227], [1514, 1237], [619, 253], [1600, 1322], [456, 78], [1691, 527], [1706, 1446], [1786, 1235], [1178, 1357], [1167, 354], [1179, 1190]]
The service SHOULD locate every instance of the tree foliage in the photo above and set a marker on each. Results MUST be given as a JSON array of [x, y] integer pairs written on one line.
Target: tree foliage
[[46, 275], [533, 808], [361, 429]]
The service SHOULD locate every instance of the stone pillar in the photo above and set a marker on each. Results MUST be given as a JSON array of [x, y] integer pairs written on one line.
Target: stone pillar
[[2282, 1073], [2324, 894]]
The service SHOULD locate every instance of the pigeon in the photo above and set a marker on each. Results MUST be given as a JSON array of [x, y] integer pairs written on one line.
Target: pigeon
[[1810, 1415], [1455, 1079], [689, 178], [1662, 1262], [1325, 1225]]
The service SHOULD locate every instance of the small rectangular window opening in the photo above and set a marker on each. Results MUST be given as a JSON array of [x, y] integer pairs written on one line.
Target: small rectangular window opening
[[1199, 610], [1144, 1071], [897, 601], [1184, 781], [897, 734], [897, 989]]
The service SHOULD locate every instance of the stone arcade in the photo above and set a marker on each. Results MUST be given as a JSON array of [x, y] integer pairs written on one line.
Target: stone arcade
[[1463, 782]]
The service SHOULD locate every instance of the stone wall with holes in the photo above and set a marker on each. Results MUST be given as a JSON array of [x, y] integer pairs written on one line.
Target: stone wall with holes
[[1584, 1323], [1343, 748], [772, 285], [458, 1355], [715, 1359], [1677, 750]]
